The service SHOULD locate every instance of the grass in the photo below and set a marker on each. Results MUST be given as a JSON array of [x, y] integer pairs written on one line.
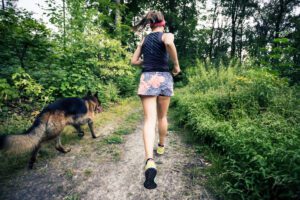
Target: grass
[[119, 112], [114, 139], [199, 175], [69, 173], [87, 172], [11, 164], [195, 173], [122, 131], [116, 154], [72, 197], [208, 176]]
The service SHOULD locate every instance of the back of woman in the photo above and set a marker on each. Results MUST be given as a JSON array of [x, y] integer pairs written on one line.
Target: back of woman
[[156, 86], [154, 53]]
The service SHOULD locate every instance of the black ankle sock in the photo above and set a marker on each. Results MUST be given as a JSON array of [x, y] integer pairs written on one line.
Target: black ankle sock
[[161, 145], [148, 160]]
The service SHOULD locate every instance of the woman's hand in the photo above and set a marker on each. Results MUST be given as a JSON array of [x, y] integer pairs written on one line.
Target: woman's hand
[[176, 70]]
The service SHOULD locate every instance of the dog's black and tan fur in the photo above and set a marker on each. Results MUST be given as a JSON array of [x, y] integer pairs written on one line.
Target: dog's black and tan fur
[[50, 123]]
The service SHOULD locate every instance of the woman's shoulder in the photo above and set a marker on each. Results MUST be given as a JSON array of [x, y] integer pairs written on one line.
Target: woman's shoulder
[[169, 34], [167, 37]]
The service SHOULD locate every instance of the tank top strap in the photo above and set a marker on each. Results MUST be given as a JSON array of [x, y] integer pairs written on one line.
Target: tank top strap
[[160, 36]]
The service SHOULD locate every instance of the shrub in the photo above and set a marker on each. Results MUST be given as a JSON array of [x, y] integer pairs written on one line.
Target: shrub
[[250, 117]]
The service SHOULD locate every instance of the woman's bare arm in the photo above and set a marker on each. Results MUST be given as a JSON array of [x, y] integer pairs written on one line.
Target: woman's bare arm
[[168, 39], [136, 60]]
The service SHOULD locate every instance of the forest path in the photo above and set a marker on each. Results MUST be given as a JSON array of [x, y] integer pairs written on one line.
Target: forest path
[[111, 166]]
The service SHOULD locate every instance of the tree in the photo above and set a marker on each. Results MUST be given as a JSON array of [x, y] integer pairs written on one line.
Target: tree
[[21, 38], [237, 10]]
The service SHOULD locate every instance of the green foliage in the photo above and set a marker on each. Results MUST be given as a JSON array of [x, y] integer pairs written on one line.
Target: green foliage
[[278, 58], [15, 124], [111, 92], [251, 118], [41, 66], [24, 41], [26, 85], [7, 92]]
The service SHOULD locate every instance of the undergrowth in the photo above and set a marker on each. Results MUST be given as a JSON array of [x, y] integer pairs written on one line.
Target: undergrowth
[[250, 117]]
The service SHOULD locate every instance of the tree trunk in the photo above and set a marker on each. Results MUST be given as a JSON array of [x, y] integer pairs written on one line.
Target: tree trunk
[[183, 37], [212, 31], [21, 55], [233, 36], [220, 29], [233, 27], [3, 5], [240, 23], [117, 14], [241, 43], [64, 24], [279, 18], [172, 6]]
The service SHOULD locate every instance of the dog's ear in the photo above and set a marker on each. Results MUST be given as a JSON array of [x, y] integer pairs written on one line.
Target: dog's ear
[[96, 94], [89, 93]]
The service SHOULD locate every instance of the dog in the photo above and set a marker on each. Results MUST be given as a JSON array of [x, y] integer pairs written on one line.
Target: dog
[[49, 124]]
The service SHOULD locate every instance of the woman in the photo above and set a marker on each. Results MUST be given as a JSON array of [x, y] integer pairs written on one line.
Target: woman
[[156, 85]]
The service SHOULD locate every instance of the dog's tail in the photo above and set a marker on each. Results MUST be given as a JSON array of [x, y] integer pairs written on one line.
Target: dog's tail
[[16, 144]]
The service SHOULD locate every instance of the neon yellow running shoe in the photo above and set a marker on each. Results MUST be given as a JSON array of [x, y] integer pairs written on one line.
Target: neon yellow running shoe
[[150, 173], [160, 149]]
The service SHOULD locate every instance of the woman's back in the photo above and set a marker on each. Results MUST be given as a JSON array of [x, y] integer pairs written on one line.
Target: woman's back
[[155, 54]]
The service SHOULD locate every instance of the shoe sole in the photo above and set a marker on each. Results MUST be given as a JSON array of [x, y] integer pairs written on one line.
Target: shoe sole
[[150, 175]]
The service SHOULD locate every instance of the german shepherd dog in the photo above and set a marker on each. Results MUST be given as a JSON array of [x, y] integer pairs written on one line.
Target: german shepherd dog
[[49, 124]]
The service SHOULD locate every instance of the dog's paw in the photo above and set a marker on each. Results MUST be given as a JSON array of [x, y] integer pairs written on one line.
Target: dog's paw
[[81, 134], [30, 166], [66, 150]]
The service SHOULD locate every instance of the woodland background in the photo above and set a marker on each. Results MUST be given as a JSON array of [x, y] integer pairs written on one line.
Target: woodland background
[[238, 93]]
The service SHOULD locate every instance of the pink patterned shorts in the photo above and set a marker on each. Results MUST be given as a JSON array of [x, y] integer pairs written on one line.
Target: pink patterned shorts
[[156, 84]]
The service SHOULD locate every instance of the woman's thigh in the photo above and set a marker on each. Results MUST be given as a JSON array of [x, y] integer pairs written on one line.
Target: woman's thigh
[[163, 103], [149, 106]]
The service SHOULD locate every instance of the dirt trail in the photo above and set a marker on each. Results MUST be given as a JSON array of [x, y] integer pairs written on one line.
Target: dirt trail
[[109, 171], [124, 179]]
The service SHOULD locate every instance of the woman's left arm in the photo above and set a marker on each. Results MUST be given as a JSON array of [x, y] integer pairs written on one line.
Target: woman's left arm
[[136, 60]]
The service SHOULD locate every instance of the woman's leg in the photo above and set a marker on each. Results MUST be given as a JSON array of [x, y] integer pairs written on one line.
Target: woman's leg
[[162, 110], [150, 113]]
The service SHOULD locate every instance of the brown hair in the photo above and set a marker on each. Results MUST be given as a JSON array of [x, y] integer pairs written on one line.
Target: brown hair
[[150, 17]]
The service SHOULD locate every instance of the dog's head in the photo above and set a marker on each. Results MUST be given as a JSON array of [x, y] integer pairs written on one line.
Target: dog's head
[[94, 100]]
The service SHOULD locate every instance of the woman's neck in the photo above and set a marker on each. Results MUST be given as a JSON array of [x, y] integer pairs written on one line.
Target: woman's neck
[[158, 29]]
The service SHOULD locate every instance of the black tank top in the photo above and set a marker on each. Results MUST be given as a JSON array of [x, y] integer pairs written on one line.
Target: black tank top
[[155, 56]]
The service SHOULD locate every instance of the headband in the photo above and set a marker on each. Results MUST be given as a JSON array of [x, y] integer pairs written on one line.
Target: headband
[[162, 23]]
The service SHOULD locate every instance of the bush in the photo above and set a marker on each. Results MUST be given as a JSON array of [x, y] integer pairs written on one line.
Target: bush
[[250, 117], [51, 67]]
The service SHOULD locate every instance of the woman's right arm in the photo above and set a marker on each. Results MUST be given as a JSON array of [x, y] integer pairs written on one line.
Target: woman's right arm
[[136, 60], [168, 39]]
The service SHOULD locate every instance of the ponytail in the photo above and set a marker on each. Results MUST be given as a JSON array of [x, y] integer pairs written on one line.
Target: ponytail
[[150, 18]]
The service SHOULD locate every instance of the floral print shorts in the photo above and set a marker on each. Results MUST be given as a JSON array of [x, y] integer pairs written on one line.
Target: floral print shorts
[[156, 84]]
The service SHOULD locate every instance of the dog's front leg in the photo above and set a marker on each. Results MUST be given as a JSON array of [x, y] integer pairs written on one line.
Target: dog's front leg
[[59, 146], [79, 130], [90, 123]]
